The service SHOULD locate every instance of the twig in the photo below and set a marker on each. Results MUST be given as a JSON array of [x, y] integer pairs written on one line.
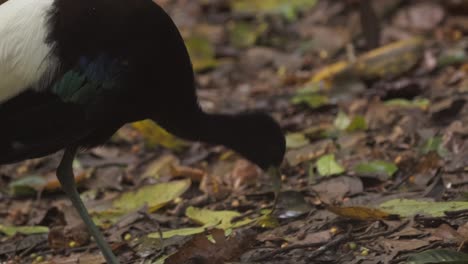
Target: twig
[[145, 214], [322, 247], [404, 255], [384, 233], [331, 244], [273, 253]]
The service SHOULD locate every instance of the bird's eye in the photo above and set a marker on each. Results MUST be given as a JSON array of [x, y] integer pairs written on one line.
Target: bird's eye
[[91, 11]]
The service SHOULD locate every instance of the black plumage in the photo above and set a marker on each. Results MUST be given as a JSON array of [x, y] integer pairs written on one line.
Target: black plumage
[[118, 61]]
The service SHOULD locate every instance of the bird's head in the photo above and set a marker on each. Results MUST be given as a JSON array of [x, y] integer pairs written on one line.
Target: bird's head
[[257, 137], [254, 135]]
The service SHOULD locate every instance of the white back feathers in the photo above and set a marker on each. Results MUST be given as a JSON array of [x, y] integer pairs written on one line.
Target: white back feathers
[[25, 58]]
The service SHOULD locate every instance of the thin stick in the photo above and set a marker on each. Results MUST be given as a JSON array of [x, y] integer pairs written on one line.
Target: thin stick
[[384, 233], [323, 246]]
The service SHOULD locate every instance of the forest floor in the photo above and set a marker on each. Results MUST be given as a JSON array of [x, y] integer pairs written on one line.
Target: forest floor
[[376, 169]]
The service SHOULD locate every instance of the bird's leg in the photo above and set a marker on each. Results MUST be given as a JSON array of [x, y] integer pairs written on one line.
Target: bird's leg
[[67, 180]]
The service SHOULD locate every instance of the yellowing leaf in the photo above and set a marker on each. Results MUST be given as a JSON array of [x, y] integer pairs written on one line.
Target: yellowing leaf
[[160, 166], [155, 196], [359, 213], [390, 60], [208, 219], [155, 135], [179, 232], [326, 75], [220, 219], [387, 61]]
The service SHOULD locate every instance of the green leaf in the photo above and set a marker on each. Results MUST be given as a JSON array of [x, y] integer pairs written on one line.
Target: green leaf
[[327, 166], [405, 103], [160, 260], [451, 56], [358, 123], [267, 221], [376, 167], [406, 207], [311, 100], [27, 185], [26, 230], [244, 35], [434, 144], [296, 140], [288, 8], [438, 256], [342, 121]]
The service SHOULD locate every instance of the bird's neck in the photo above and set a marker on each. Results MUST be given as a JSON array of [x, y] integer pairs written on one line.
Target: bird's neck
[[219, 129]]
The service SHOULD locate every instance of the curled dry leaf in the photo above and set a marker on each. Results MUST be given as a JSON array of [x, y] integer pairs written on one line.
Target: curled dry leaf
[[243, 174], [309, 152], [204, 251], [360, 213], [196, 175], [335, 189], [214, 187]]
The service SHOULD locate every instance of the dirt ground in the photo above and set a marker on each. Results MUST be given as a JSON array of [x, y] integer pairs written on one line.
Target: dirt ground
[[372, 98]]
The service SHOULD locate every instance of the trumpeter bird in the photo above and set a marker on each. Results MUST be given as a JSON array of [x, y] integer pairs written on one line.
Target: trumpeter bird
[[72, 72]]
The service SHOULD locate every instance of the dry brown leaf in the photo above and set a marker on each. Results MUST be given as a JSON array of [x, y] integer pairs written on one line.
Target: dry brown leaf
[[196, 175], [243, 174], [53, 184], [403, 245], [335, 189], [317, 237], [201, 249]]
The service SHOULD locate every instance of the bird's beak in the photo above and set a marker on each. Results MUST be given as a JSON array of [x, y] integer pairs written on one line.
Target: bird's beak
[[275, 176]]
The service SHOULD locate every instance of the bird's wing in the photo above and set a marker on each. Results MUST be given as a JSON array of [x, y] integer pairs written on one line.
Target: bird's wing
[[74, 110], [25, 61]]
